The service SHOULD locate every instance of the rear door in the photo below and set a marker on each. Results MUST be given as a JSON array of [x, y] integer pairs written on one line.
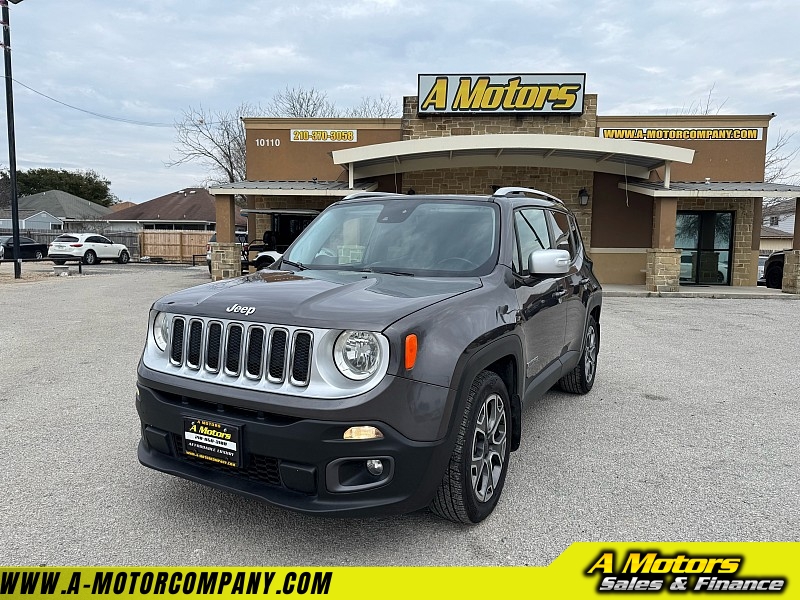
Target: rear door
[[575, 283], [542, 315]]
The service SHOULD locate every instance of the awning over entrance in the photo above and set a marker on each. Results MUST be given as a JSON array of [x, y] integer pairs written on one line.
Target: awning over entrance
[[291, 188], [621, 157], [710, 189]]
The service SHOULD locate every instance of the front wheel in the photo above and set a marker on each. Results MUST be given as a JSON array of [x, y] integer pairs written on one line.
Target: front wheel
[[581, 379], [89, 258], [477, 470], [124, 257], [39, 255]]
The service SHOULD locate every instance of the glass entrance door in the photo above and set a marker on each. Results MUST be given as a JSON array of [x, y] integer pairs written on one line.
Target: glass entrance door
[[705, 239]]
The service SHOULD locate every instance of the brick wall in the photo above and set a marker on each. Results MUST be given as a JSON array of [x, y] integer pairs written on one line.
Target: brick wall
[[415, 127], [562, 183]]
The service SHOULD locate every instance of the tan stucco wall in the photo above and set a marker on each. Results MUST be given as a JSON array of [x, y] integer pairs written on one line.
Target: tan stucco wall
[[281, 158], [624, 266]]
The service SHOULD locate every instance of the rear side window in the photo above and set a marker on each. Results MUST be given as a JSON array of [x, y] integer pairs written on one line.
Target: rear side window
[[562, 233], [532, 235], [66, 238]]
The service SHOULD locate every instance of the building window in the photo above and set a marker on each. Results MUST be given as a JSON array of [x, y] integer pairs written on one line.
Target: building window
[[56, 226], [774, 221]]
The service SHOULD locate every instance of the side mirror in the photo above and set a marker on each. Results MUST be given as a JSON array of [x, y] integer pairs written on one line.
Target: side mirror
[[549, 262]]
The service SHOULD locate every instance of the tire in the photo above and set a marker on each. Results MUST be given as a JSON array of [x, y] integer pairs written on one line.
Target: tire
[[471, 488], [90, 258], [581, 379], [124, 257], [39, 255], [59, 262], [775, 278]]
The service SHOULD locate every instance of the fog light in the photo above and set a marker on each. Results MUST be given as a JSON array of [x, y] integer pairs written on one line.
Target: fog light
[[363, 432], [375, 467]]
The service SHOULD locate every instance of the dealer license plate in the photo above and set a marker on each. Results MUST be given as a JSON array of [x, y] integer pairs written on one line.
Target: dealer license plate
[[212, 441]]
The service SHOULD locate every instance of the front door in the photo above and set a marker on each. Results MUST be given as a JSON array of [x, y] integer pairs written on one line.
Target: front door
[[705, 239], [542, 314]]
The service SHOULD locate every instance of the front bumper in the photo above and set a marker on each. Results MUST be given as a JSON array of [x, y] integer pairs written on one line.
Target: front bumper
[[299, 463]]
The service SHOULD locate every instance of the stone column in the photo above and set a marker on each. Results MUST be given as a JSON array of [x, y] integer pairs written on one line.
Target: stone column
[[663, 260], [791, 272], [663, 270], [226, 260], [755, 242]]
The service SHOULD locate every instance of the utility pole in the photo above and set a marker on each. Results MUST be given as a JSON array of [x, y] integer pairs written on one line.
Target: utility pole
[[12, 153]]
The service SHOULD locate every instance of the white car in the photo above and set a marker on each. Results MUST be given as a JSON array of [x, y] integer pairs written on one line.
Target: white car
[[91, 247]]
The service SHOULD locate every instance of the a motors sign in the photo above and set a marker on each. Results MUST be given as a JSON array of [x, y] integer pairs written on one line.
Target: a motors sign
[[529, 93]]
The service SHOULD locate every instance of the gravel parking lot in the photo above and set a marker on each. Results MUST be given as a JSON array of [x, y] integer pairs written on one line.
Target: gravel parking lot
[[689, 434]]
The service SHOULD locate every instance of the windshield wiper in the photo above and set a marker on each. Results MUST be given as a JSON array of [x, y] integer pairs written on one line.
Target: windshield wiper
[[385, 272], [298, 266]]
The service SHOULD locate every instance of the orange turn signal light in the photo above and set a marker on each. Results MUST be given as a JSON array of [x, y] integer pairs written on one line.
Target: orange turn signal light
[[411, 351]]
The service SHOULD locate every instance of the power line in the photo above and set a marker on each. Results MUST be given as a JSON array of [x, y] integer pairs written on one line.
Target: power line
[[102, 116], [95, 114]]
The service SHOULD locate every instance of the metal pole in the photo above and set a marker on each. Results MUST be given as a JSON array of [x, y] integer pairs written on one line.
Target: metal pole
[[12, 153]]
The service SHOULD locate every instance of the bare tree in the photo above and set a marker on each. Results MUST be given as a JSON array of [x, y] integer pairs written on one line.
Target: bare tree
[[215, 139], [382, 107], [778, 163], [302, 102]]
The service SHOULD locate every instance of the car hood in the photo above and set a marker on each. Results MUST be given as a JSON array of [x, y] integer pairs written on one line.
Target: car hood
[[327, 299]]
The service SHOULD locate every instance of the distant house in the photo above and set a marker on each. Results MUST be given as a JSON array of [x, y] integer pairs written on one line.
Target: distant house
[[774, 239], [187, 209], [36, 220], [780, 215], [75, 213], [121, 206]]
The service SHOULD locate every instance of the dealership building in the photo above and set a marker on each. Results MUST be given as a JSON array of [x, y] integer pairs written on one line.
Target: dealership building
[[662, 201]]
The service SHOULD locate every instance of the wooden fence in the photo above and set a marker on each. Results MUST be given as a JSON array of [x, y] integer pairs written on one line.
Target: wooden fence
[[173, 246]]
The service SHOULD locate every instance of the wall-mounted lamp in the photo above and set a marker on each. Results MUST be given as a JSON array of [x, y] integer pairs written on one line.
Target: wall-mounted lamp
[[583, 197]]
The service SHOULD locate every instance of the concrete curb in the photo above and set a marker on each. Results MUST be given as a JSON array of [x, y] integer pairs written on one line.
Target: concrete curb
[[709, 295]]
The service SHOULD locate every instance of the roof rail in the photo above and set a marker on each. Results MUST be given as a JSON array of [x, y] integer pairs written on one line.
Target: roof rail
[[521, 191], [368, 194]]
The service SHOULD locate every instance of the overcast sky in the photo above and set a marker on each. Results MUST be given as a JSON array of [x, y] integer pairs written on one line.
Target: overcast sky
[[151, 59]]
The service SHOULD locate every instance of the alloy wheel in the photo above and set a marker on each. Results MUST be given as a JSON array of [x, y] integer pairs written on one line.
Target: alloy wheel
[[488, 448]]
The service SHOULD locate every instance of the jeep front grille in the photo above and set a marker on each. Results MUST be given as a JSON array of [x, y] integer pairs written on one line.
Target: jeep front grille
[[242, 349]]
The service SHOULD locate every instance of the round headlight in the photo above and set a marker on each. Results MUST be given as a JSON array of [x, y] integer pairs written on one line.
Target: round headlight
[[161, 330], [357, 354]]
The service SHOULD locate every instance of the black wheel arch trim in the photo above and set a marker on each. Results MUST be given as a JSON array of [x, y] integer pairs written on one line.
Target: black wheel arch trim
[[468, 368]]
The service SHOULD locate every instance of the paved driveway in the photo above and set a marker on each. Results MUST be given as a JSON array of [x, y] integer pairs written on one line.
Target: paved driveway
[[689, 434]]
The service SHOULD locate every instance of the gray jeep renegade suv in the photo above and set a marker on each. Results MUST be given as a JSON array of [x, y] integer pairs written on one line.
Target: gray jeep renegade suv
[[382, 365]]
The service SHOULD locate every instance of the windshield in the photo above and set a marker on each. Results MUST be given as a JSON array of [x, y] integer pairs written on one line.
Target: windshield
[[407, 237]]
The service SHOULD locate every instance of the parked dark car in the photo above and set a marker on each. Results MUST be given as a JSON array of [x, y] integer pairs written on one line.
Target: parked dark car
[[28, 248], [381, 365], [773, 269]]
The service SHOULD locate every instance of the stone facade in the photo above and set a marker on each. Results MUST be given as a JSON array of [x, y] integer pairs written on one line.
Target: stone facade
[[663, 270], [416, 127], [741, 262], [791, 272], [226, 261], [562, 183]]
